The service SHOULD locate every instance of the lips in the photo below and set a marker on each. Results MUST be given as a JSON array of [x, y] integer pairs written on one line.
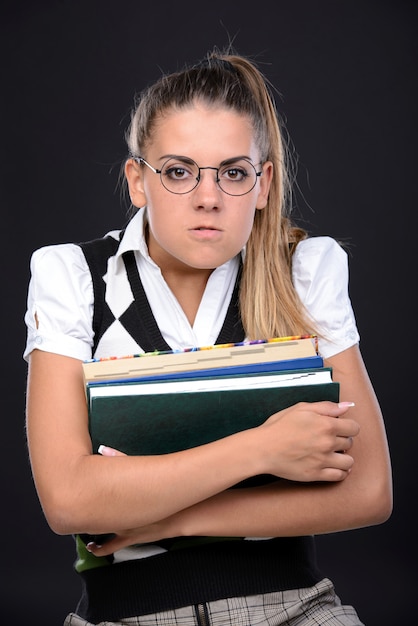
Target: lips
[[206, 233], [205, 228]]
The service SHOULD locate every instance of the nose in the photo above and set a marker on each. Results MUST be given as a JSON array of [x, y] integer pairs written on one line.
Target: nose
[[207, 193]]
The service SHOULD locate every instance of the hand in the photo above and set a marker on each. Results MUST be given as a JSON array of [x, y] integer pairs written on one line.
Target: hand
[[306, 442], [145, 534]]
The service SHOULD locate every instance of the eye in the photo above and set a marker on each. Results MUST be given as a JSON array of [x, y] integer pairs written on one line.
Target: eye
[[178, 171], [234, 173]]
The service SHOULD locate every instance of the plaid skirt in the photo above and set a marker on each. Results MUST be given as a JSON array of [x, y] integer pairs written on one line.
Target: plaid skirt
[[312, 606]]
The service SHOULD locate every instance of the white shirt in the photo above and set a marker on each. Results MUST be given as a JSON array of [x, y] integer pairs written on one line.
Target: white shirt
[[61, 295]]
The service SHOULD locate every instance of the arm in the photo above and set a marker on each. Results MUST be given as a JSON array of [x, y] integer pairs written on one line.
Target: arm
[[295, 508], [291, 508], [82, 492]]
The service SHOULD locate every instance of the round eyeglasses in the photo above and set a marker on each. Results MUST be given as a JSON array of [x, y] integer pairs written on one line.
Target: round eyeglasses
[[179, 175]]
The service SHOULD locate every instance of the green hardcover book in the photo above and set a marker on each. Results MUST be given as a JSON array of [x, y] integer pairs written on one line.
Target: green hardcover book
[[142, 418]]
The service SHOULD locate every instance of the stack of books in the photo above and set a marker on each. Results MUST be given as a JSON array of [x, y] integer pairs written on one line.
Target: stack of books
[[156, 403]]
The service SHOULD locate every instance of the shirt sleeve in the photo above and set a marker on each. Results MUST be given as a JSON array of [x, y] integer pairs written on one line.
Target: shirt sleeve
[[60, 302], [320, 276]]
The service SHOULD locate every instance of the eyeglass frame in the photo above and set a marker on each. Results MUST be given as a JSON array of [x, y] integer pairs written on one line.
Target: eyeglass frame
[[140, 160]]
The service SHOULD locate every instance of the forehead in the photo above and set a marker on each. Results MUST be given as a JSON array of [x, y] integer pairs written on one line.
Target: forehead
[[201, 128]]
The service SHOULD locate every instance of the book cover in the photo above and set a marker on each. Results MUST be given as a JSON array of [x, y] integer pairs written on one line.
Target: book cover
[[301, 363], [225, 355], [141, 418]]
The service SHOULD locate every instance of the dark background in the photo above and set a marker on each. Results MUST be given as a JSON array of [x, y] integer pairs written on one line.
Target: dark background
[[346, 72]]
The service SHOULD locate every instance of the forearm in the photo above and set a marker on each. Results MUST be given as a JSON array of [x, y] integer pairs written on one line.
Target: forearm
[[94, 494], [282, 509], [287, 509], [82, 492]]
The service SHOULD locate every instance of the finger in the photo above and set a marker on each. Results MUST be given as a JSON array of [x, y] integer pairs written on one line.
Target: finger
[[325, 407], [108, 547], [339, 469], [332, 474], [343, 462], [344, 444], [345, 405], [107, 451], [347, 427], [97, 549]]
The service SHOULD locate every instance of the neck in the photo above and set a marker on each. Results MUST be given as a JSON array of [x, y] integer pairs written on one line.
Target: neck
[[188, 288]]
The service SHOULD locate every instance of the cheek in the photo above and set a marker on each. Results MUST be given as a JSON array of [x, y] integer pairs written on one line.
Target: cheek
[[159, 223], [246, 223], [159, 208], [166, 226]]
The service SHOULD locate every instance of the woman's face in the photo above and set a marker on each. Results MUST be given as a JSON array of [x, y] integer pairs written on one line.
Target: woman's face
[[206, 227]]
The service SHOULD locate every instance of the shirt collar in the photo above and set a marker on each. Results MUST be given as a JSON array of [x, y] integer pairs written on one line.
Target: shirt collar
[[134, 236]]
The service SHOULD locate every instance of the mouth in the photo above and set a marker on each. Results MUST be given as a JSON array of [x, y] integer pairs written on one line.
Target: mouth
[[205, 228], [206, 233]]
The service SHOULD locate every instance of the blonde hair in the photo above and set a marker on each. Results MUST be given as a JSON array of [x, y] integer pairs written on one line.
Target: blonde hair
[[269, 304]]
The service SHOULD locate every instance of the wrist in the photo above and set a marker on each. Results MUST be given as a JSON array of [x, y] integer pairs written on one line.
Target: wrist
[[253, 453]]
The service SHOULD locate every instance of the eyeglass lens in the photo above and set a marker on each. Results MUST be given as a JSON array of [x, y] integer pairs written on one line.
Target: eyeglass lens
[[234, 178]]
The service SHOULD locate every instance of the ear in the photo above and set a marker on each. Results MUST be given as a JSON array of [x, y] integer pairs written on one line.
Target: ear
[[134, 178], [265, 182]]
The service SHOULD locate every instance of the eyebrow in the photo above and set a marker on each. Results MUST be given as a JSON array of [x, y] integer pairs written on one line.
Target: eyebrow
[[186, 159]]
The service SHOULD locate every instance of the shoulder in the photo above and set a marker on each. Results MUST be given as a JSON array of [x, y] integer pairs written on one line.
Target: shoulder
[[59, 302], [73, 255], [60, 278], [319, 260], [58, 251], [321, 279], [318, 251], [58, 258]]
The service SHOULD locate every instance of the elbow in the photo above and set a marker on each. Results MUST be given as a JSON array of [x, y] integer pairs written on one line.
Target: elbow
[[64, 513], [68, 500], [378, 501], [58, 526], [380, 512], [385, 507], [59, 518]]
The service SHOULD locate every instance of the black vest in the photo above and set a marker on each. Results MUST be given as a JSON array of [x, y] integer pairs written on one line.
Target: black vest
[[138, 319]]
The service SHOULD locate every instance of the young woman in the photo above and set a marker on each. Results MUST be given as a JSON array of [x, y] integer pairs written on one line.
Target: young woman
[[207, 177]]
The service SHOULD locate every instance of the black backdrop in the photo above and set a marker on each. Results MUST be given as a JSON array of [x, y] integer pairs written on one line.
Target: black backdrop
[[346, 72]]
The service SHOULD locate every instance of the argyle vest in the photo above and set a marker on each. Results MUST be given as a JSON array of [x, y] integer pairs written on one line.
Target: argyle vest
[[137, 319]]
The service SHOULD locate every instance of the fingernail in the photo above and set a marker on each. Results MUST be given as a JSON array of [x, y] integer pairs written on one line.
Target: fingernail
[[92, 546], [345, 405], [105, 450]]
